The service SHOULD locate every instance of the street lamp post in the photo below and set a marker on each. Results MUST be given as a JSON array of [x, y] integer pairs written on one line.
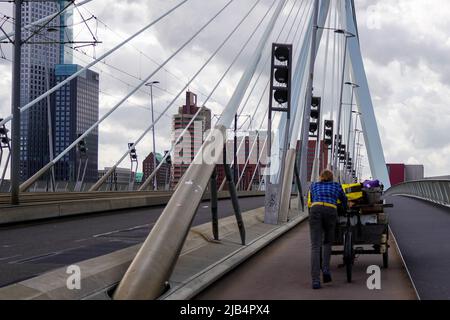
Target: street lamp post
[[354, 86], [356, 132], [358, 158], [347, 35], [150, 84]]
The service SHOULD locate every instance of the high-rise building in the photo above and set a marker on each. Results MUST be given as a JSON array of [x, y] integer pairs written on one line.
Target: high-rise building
[[185, 151], [163, 174], [76, 109], [40, 54]]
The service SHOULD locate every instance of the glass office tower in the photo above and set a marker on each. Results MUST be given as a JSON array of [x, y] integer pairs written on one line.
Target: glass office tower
[[76, 109], [40, 54]]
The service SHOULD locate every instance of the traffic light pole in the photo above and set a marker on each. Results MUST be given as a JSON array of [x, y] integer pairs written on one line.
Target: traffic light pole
[[307, 110], [155, 181], [316, 164], [274, 204], [350, 124], [50, 131], [235, 147], [15, 128]]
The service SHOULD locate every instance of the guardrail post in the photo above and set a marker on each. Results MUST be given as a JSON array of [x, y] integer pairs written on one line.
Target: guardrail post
[[299, 186], [214, 208]]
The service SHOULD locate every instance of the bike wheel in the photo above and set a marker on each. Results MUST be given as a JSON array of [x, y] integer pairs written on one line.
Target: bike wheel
[[386, 253], [348, 254], [386, 259]]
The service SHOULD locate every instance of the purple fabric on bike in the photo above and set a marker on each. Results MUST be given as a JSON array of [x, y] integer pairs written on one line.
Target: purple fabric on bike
[[370, 184]]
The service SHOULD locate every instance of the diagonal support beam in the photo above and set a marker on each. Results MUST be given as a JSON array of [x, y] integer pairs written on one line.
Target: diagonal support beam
[[155, 261], [320, 12], [372, 139]]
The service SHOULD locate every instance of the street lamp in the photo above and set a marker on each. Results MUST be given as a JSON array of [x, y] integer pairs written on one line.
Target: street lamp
[[347, 35], [358, 157], [353, 86], [357, 132], [150, 84]]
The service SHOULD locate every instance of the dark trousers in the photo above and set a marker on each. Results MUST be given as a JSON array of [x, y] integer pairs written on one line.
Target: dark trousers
[[322, 223]]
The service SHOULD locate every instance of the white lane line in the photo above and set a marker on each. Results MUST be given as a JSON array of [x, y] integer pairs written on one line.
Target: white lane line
[[121, 230], [43, 256], [11, 257], [105, 234], [138, 227], [33, 258]]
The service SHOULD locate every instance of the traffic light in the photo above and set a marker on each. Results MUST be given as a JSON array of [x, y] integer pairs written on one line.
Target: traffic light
[[342, 152], [315, 115], [82, 148], [328, 132], [133, 154], [168, 159], [280, 83], [3, 130]]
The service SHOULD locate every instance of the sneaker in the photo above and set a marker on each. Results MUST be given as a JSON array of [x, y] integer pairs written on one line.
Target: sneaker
[[326, 277], [316, 285]]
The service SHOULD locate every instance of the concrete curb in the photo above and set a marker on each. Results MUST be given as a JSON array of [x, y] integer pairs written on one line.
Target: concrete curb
[[194, 285], [51, 210]]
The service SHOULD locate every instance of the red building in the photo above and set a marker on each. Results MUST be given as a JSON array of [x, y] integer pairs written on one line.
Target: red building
[[323, 157], [163, 174], [396, 173], [400, 172], [184, 152]]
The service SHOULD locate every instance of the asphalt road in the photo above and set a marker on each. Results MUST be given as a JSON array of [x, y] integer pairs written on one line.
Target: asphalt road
[[422, 230], [32, 249]]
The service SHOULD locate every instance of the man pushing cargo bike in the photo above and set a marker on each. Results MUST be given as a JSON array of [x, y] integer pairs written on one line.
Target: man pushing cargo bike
[[347, 220]]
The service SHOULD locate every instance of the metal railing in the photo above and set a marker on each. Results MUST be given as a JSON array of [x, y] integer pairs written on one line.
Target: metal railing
[[436, 191]]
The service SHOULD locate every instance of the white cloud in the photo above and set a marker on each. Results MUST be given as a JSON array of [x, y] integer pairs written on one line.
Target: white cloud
[[405, 55]]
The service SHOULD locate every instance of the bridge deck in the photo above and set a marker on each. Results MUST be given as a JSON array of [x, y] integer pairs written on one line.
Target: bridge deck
[[422, 231], [28, 250], [282, 271]]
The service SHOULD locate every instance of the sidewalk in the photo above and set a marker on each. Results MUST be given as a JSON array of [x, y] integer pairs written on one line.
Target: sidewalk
[[282, 271]]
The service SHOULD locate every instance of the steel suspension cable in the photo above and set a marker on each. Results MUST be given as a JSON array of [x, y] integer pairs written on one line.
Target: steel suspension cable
[[172, 227], [107, 174], [145, 184], [76, 74], [31, 180], [266, 86]]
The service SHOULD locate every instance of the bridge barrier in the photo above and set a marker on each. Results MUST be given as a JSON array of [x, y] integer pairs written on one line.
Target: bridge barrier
[[436, 191], [58, 207]]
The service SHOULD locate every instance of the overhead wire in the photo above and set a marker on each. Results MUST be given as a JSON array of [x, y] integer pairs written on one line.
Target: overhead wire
[[115, 48], [265, 90], [180, 136]]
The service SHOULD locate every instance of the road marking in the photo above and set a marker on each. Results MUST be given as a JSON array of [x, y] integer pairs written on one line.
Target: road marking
[[121, 230], [139, 227], [33, 258], [43, 256], [7, 258], [105, 234]]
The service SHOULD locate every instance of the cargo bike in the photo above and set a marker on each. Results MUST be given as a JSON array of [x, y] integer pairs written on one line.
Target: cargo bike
[[363, 228]]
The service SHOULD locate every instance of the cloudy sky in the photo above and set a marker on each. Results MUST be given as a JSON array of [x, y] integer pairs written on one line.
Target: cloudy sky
[[405, 46]]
